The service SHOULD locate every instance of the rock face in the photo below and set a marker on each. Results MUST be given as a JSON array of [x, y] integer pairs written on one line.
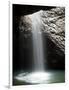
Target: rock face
[[53, 25], [53, 22]]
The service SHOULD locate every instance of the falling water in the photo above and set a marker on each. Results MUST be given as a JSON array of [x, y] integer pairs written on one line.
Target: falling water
[[38, 75], [37, 43]]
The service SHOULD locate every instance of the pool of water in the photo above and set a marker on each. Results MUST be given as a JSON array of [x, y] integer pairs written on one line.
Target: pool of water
[[31, 78]]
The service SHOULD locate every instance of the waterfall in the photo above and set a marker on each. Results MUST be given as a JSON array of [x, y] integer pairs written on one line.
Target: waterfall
[[38, 75], [38, 54]]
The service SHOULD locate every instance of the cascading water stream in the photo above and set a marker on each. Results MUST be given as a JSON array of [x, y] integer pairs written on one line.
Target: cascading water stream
[[38, 75], [38, 54]]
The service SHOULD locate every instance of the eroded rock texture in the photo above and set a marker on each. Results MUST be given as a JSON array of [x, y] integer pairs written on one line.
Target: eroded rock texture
[[52, 25], [53, 22]]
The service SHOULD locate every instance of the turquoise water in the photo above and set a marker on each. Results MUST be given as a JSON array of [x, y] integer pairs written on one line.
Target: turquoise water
[[53, 76]]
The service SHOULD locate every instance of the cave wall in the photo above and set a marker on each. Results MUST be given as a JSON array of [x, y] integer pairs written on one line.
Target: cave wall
[[53, 29]]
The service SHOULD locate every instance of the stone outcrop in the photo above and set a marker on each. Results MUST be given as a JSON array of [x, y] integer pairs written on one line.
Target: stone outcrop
[[53, 22], [52, 25]]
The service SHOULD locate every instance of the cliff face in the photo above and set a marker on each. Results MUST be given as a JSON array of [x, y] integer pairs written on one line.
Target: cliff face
[[52, 25]]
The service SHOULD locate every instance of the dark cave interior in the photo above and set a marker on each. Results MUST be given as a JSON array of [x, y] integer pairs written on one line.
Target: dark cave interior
[[22, 46]]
